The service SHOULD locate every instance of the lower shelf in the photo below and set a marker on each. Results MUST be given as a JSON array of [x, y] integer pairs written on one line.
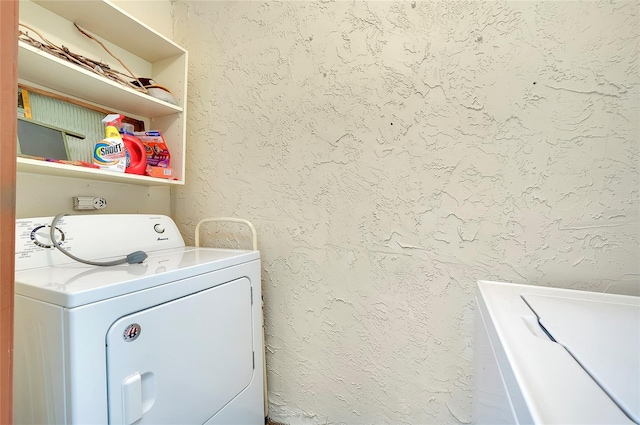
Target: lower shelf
[[35, 166]]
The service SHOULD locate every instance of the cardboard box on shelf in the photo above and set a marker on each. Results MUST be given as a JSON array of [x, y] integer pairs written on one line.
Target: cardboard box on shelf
[[157, 152], [160, 172]]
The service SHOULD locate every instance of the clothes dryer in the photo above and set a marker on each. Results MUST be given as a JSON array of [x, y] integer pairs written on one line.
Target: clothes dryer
[[176, 339]]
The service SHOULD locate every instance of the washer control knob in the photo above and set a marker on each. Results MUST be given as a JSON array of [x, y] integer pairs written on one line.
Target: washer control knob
[[42, 238], [159, 228]]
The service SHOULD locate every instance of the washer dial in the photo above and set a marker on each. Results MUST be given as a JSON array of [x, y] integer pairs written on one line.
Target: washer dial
[[41, 236]]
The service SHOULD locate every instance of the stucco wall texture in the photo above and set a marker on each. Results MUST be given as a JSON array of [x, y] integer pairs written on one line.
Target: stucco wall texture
[[390, 154]]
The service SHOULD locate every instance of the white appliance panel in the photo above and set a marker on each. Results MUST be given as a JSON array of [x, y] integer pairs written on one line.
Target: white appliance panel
[[602, 337], [530, 377], [157, 378], [38, 352], [491, 398], [92, 237]]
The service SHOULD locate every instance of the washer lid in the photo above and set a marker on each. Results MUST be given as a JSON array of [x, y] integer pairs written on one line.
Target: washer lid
[[604, 337]]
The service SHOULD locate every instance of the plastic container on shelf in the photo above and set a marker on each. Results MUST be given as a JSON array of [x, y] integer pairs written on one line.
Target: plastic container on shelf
[[136, 161], [109, 153]]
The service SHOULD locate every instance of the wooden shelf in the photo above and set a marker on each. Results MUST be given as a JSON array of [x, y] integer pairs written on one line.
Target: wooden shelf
[[148, 54], [111, 23], [34, 166], [75, 81]]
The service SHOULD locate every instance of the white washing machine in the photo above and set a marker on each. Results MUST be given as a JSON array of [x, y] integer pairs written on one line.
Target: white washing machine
[[176, 339], [555, 356]]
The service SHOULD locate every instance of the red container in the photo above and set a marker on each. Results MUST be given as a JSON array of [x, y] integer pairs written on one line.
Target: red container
[[136, 155]]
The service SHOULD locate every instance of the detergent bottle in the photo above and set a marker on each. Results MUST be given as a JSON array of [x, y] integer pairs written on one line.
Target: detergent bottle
[[135, 151], [109, 153]]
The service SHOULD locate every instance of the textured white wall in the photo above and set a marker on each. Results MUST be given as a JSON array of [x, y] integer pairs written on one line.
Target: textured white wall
[[392, 153], [40, 195]]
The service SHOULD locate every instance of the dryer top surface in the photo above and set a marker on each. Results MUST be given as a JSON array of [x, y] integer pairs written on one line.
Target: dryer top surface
[[76, 284]]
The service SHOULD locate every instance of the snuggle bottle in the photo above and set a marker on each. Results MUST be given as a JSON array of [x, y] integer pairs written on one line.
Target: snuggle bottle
[[109, 153]]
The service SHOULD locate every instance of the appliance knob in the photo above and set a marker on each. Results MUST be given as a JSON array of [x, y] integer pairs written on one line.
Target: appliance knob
[[159, 228], [40, 236]]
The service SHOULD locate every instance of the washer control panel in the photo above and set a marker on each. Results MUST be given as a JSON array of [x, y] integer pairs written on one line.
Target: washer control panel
[[92, 236]]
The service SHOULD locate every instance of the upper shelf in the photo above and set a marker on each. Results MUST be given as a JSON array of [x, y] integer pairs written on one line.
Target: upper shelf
[[71, 79], [100, 17]]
